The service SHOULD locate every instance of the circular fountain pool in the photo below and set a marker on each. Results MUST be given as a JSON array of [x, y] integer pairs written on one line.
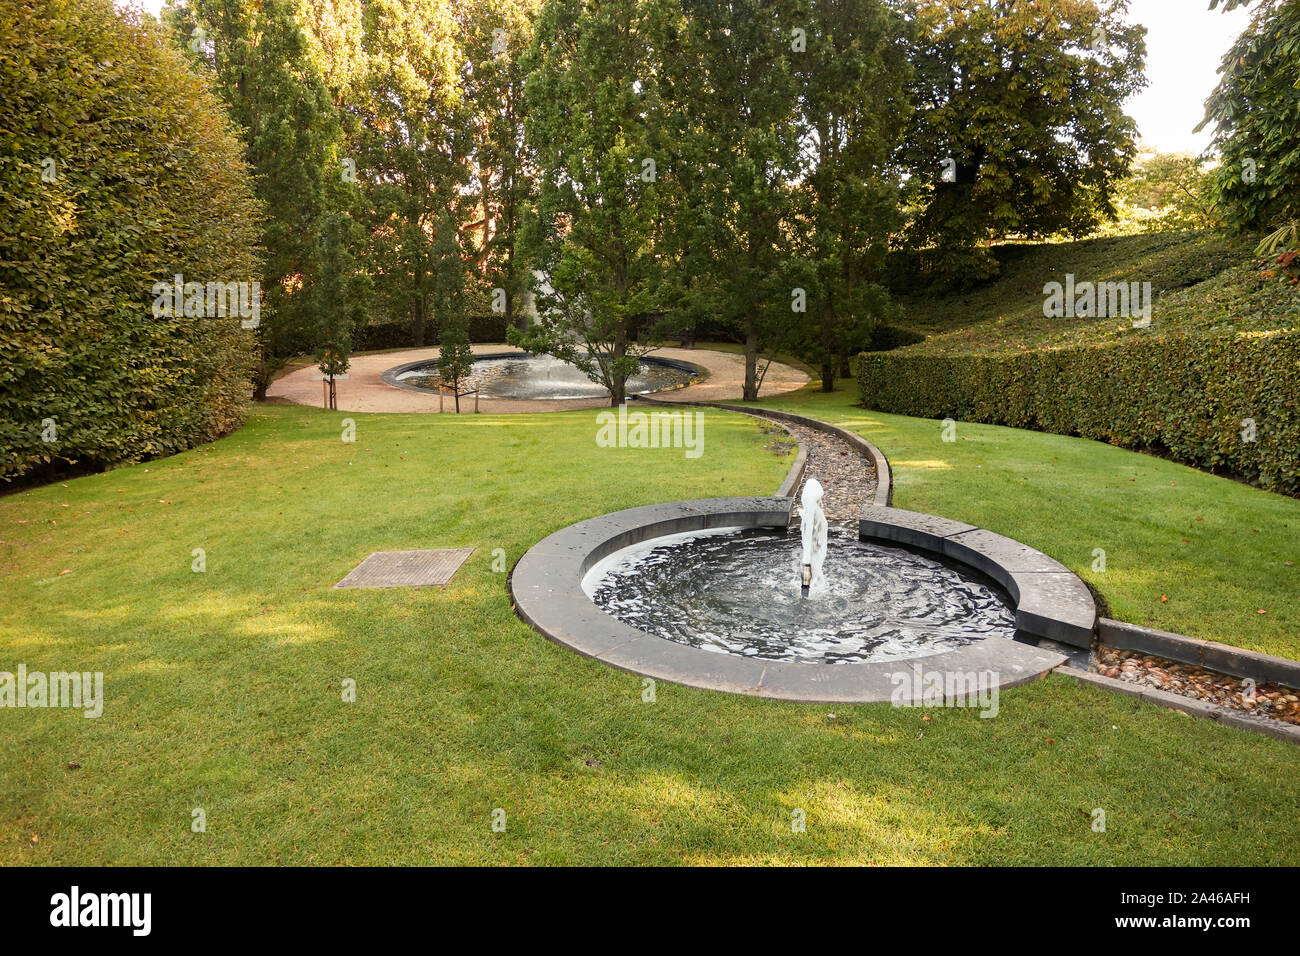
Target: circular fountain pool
[[736, 591], [521, 376]]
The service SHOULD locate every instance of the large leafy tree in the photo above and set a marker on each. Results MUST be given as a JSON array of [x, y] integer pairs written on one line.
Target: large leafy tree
[[413, 141], [259, 58], [593, 124], [495, 36], [851, 108], [732, 101], [1256, 112], [1018, 124]]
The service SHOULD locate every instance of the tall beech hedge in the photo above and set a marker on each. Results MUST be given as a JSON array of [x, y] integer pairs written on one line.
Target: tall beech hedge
[[1185, 395], [148, 181]]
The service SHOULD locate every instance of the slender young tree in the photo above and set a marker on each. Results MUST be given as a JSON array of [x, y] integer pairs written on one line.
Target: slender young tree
[[455, 357], [336, 302]]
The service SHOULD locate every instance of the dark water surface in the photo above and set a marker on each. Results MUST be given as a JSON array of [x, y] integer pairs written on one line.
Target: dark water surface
[[737, 592]]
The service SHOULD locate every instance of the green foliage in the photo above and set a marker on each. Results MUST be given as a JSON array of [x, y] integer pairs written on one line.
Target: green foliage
[[495, 35], [1164, 192], [1187, 395], [732, 105], [260, 62], [851, 82], [1022, 106], [455, 358], [594, 103], [413, 141], [336, 301], [1256, 112], [148, 182], [1200, 281]]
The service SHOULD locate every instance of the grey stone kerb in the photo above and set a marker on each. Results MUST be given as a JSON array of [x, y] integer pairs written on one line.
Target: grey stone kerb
[[547, 589]]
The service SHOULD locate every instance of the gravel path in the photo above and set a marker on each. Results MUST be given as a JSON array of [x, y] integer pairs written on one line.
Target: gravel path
[[848, 478], [1270, 700]]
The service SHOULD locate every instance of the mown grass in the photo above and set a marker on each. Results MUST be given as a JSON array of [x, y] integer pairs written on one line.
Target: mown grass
[[223, 688], [1200, 282], [1183, 550]]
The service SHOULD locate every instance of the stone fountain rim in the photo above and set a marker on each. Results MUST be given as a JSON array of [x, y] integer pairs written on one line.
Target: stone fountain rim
[[546, 586], [390, 376]]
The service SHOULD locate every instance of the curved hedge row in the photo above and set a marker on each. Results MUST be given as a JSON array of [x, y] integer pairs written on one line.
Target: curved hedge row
[[118, 169], [1186, 395]]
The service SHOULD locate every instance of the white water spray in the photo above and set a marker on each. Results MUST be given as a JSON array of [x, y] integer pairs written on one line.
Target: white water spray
[[813, 529]]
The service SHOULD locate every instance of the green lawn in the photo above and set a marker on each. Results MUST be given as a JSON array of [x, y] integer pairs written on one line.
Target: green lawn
[[1184, 551], [223, 688]]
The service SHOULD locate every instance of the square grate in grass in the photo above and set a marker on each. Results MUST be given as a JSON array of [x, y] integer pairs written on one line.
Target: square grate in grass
[[402, 569]]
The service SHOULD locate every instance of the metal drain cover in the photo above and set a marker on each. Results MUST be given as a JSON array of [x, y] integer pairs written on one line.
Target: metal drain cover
[[400, 569]]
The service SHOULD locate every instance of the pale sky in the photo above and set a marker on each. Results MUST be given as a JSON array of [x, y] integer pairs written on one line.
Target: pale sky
[[1185, 42]]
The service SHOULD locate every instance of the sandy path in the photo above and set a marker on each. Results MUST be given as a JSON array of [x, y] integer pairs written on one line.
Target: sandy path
[[365, 390]]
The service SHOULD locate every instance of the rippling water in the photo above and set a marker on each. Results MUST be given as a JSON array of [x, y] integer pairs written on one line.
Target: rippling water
[[544, 376], [738, 593]]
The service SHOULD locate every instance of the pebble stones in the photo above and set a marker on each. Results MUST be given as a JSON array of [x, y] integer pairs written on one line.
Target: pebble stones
[[848, 477], [1268, 700]]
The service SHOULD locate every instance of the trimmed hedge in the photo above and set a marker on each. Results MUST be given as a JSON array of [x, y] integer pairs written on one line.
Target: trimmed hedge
[[401, 335], [1185, 395], [143, 179]]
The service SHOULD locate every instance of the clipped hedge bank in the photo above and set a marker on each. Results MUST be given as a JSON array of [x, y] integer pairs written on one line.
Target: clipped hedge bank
[[1181, 394], [118, 169]]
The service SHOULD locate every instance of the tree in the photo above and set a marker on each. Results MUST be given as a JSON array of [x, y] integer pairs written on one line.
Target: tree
[[851, 107], [413, 139], [1256, 112], [259, 58], [455, 357], [732, 107], [1167, 191], [337, 299], [1019, 124], [593, 109], [496, 35]]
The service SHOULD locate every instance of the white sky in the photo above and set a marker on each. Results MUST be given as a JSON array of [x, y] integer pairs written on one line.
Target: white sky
[[1185, 42]]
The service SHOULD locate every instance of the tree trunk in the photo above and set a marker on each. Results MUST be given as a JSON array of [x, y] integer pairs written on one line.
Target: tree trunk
[[846, 370], [751, 361], [417, 312], [618, 381], [260, 384], [828, 376]]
